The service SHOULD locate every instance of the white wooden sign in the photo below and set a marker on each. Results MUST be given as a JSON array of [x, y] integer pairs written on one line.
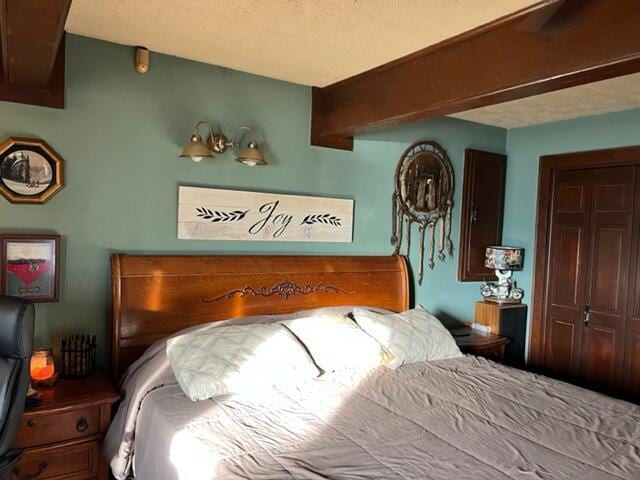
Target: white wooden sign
[[217, 214]]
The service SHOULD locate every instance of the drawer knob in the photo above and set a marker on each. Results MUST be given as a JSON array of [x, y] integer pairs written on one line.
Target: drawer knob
[[82, 424], [31, 423], [30, 476]]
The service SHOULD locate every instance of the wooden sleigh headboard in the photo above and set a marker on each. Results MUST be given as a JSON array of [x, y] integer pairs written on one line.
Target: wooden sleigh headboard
[[157, 295]]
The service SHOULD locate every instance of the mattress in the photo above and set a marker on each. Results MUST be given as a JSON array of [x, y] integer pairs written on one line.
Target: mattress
[[463, 418]]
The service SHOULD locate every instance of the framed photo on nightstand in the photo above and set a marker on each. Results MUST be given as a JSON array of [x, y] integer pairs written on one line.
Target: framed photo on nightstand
[[30, 266]]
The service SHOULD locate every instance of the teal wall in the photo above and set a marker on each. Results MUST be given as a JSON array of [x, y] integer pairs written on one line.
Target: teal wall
[[526, 145], [121, 132], [120, 135]]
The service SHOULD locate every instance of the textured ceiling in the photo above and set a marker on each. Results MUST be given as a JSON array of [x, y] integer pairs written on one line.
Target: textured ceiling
[[319, 42], [611, 95], [312, 42]]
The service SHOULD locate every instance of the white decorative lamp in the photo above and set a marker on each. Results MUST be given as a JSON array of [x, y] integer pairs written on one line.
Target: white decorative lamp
[[504, 260]]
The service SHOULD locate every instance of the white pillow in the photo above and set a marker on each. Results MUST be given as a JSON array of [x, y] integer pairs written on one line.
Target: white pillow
[[237, 358], [412, 336], [337, 343]]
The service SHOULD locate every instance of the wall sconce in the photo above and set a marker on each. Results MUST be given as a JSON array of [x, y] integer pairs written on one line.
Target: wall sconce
[[196, 149]]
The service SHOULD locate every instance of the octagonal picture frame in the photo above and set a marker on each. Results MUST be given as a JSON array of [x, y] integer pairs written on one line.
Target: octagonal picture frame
[[31, 172]]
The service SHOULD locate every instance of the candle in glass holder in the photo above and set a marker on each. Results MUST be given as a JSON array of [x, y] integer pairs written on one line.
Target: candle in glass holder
[[42, 365]]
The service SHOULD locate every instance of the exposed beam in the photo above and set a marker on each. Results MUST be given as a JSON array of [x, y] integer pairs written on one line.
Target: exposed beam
[[495, 63], [32, 47], [4, 64]]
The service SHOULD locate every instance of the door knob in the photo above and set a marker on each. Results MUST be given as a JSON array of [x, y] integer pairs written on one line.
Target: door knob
[[586, 315], [474, 215]]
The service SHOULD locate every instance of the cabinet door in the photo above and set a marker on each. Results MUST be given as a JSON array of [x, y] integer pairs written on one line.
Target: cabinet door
[[482, 211]]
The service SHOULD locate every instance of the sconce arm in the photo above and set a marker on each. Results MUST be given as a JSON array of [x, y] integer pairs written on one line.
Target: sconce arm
[[235, 140]]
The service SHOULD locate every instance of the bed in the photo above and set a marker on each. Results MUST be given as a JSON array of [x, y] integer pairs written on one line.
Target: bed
[[461, 418]]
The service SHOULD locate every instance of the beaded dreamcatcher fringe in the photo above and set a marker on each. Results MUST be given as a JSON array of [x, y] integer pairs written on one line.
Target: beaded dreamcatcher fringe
[[423, 195]]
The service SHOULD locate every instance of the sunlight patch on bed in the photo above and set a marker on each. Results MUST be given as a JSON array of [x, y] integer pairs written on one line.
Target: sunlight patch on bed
[[250, 377], [191, 457]]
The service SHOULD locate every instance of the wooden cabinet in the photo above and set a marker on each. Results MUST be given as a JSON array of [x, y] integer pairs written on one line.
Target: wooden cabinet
[[508, 321], [482, 211], [61, 437]]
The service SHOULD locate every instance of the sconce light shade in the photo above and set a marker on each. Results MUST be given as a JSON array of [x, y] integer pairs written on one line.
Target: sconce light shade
[[251, 156], [195, 149]]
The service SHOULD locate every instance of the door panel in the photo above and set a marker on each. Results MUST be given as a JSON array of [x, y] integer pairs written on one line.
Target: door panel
[[561, 355], [566, 272], [610, 243], [610, 233], [600, 355], [564, 276], [632, 335], [632, 373], [571, 198]]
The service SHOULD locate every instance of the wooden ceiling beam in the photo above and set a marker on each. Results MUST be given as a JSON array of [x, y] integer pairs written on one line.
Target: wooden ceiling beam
[[498, 62], [32, 46], [4, 64]]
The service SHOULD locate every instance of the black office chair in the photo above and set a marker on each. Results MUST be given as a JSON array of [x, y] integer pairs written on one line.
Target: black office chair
[[16, 342]]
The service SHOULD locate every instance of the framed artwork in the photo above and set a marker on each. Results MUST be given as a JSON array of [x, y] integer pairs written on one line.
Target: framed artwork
[[30, 170], [30, 266]]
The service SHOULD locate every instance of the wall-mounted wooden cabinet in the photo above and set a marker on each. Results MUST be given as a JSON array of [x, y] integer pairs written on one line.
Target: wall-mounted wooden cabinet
[[482, 211]]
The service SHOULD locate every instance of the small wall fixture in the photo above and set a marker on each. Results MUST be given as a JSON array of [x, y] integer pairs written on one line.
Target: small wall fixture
[[196, 149], [142, 60]]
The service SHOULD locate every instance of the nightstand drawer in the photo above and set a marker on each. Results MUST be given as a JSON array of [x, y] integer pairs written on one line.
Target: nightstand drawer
[[77, 462], [482, 344], [491, 353], [38, 430]]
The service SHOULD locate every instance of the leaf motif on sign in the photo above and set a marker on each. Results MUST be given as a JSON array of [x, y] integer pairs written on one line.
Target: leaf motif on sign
[[325, 218], [219, 216]]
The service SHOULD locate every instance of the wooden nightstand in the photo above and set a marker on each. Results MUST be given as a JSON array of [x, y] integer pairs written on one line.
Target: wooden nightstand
[[507, 321], [484, 345], [61, 437]]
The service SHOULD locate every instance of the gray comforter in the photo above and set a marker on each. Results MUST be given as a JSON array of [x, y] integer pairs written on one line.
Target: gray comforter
[[464, 418]]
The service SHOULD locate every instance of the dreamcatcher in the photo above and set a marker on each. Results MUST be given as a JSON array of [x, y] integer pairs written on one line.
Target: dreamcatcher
[[424, 195]]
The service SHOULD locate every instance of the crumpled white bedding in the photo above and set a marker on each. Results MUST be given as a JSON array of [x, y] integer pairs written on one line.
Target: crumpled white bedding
[[461, 418]]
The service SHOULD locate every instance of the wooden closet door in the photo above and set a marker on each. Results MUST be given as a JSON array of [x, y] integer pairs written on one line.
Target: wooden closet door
[[609, 252], [631, 379], [566, 272]]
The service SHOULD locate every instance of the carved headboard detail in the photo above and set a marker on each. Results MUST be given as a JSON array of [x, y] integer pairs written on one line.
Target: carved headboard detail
[[286, 288], [157, 295]]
